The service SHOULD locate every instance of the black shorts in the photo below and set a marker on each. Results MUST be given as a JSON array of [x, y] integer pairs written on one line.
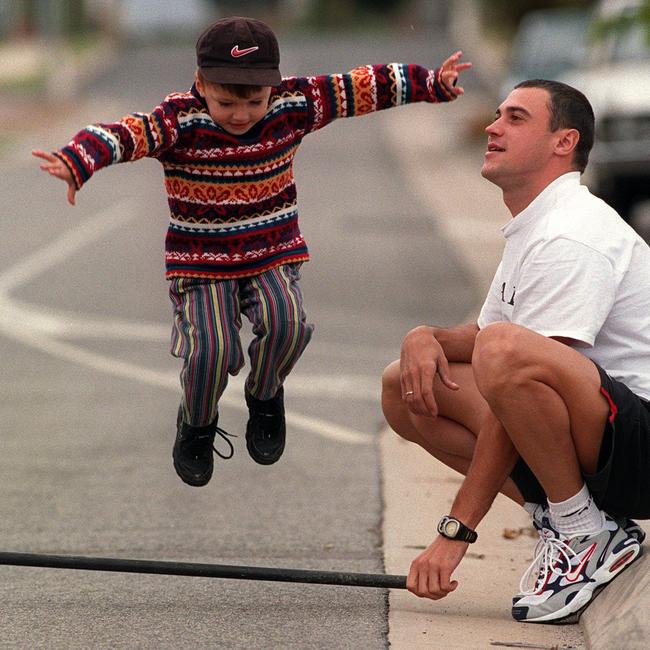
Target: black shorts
[[621, 485]]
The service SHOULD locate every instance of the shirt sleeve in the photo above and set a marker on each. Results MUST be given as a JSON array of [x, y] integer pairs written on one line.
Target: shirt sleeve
[[134, 136], [367, 89], [566, 289], [491, 309]]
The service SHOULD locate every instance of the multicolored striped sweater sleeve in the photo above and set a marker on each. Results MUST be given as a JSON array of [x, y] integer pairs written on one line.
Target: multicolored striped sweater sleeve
[[232, 199], [367, 89]]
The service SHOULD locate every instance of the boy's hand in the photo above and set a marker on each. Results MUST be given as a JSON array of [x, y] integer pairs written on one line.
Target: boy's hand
[[450, 70], [55, 167]]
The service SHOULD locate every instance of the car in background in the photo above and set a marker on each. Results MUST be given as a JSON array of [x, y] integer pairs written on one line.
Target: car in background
[[615, 77], [548, 43]]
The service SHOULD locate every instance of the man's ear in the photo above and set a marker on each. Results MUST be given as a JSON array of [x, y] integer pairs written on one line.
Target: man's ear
[[567, 142]]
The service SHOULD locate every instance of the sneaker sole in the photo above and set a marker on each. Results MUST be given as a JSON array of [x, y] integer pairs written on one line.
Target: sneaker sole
[[572, 612]]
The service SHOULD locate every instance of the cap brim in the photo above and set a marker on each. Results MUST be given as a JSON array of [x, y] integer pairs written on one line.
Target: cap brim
[[243, 76]]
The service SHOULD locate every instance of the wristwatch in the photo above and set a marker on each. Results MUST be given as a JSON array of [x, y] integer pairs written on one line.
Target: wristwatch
[[451, 528]]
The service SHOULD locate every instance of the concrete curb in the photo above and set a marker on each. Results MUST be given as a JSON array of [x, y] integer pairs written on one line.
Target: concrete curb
[[618, 618]]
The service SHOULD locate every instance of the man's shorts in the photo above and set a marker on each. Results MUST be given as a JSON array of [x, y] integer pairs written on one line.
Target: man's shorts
[[621, 485]]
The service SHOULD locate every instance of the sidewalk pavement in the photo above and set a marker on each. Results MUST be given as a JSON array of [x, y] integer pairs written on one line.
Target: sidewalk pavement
[[443, 165]]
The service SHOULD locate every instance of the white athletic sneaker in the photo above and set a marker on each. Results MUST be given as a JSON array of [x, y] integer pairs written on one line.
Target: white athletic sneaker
[[571, 571]]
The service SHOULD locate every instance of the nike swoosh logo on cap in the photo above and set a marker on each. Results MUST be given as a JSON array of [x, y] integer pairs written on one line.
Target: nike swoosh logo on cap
[[236, 52]]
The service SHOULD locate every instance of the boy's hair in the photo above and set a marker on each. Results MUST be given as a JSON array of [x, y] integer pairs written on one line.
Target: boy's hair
[[243, 91], [569, 109], [238, 50]]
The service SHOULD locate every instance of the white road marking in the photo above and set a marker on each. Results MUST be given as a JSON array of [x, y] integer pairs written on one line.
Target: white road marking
[[64, 246], [43, 329], [65, 324]]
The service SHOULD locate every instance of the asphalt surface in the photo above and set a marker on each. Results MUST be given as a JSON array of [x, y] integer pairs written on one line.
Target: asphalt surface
[[88, 393]]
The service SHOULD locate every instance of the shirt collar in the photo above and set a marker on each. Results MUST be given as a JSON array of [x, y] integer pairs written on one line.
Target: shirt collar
[[545, 201]]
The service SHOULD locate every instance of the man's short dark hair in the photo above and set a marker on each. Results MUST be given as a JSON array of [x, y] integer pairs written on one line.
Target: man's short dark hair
[[569, 109]]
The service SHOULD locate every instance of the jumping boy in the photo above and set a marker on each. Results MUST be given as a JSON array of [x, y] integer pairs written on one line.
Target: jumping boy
[[233, 244]]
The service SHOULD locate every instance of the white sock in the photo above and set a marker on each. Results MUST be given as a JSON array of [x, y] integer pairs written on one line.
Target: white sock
[[530, 507], [578, 515], [534, 510]]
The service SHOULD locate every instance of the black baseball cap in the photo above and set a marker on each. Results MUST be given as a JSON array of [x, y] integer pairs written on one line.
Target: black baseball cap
[[239, 50]]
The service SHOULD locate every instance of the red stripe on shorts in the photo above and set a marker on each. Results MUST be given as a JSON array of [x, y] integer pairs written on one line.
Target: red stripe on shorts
[[613, 409]]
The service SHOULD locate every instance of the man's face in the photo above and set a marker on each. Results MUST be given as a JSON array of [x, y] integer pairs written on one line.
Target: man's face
[[235, 114], [520, 143]]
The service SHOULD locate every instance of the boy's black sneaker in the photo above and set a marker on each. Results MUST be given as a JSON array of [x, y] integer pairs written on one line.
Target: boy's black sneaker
[[266, 430], [193, 460]]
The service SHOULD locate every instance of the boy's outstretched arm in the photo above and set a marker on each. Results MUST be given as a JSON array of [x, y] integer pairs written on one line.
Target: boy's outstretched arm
[[130, 138], [371, 88], [56, 167]]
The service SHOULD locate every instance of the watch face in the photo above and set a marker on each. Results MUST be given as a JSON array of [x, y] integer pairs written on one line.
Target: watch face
[[451, 528]]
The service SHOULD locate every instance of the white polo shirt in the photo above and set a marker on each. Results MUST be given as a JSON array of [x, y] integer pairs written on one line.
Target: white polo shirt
[[572, 267]]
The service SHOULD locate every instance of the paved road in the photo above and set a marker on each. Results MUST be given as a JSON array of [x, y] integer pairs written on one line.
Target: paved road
[[88, 393]]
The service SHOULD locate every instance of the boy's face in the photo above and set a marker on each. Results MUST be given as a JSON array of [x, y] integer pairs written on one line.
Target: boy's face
[[234, 114]]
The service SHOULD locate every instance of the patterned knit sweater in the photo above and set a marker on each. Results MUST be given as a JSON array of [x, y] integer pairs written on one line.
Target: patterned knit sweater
[[232, 198]]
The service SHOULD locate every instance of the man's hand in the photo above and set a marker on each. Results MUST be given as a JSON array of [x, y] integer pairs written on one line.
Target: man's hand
[[422, 357], [55, 167], [430, 573], [450, 71]]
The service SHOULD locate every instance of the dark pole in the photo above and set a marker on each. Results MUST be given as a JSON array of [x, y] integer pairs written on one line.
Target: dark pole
[[203, 570]]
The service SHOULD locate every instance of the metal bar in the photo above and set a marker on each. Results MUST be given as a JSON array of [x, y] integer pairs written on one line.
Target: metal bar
[[203, 570]]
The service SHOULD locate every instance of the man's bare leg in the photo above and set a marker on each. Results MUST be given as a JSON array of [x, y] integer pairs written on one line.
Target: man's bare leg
[[450, 437], [547, 396]]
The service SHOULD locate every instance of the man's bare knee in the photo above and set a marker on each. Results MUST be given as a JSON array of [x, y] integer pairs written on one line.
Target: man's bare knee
[[391, 394], [390, 381], [499, 357], [395, 410]]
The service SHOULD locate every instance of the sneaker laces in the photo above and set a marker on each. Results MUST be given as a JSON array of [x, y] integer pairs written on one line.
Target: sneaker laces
[[225, 435], [550, 553], [196, 444]]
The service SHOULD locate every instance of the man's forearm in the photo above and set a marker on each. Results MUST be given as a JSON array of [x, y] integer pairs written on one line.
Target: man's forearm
[[457, 342], [494, 458]]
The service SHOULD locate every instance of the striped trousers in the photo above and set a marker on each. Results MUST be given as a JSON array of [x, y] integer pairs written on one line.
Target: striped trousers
[[205, 335]]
